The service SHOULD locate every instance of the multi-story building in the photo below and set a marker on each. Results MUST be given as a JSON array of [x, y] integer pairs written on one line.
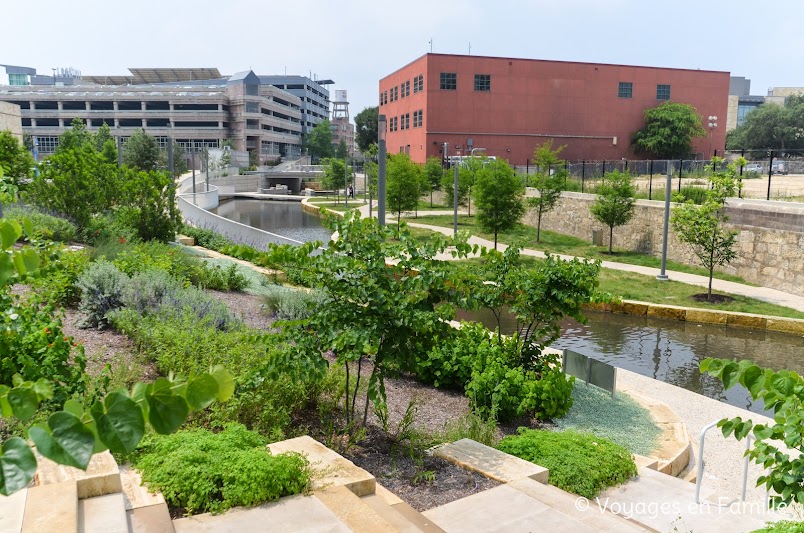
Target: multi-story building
[[11, 119], [313, 94], [505, 107], [196, 107], [742, 102], [342, 128]]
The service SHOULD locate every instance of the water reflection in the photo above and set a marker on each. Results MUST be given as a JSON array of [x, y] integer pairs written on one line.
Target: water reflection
[[284, 218], [670, 350]]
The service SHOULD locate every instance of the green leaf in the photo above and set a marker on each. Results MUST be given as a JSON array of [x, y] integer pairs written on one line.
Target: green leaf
[[65, 441], [10, 231], [226, 384], [26, 261], [6, 267], [23, 401], [17, 466], [73, 407], [167, 410], [119, 422], [202, 391], [753, 379], [762, 432], [730, 374]]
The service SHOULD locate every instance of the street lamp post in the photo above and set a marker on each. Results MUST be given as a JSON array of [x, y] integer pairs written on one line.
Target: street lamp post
[[381, 170], [712, 126], [455, 198]]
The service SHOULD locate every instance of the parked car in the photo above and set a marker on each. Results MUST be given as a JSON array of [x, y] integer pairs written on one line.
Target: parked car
[[753, 167], [779, 167]]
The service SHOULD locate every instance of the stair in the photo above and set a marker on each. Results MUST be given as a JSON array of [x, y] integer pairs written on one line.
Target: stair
[[103, 514], [51, 509]]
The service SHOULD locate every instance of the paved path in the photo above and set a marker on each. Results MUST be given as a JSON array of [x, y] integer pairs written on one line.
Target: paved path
[[760, 293]]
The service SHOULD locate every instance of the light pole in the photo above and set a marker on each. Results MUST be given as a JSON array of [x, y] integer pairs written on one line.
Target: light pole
[[667, 191], [381, 170], [712, 126], [455, 197]]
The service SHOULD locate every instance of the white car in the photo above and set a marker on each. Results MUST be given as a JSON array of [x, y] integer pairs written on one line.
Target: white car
[[753, 167]]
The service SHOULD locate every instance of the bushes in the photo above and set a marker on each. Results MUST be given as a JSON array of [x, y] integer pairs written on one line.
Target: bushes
[[102, 286], [46, 226], [578, 462], [199, 471], [782, 526], [290, 304], [449, 364], [58, 284]]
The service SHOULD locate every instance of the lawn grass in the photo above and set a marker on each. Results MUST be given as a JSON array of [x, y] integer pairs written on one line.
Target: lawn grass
[[340, 206], [558, 243]]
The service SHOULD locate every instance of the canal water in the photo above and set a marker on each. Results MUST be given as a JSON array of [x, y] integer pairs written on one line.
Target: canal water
[[284, 218], [667, 350]]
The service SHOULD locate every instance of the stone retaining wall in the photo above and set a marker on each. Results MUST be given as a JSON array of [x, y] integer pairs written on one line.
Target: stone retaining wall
[[770, 243]]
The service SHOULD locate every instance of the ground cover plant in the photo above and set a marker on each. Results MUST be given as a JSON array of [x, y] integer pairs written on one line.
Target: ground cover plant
[[580, 463], [199, 471]]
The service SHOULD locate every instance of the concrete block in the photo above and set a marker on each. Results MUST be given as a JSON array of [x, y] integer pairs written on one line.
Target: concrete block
[[185, 240], [150, 519], [667, 311], [101, 477], [136, 494], [12, 510], [351, 510], [741, 320], [103, 514], [329, 468], [635, 308], [705, 316], [51, 508], [786, 325], [490, 462], [391, 514]]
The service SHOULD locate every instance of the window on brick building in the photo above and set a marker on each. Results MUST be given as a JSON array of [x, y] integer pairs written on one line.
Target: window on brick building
[[418, 119], [418, 84], [626, 90], [663, 92], [449, 81], [483, 82]]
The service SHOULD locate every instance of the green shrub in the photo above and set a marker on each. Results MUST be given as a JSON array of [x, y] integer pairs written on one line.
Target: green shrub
[[58, 284], [147, 290], [139, 257], [206, 238], [471, 426], [287, 303], [219, 278], [46, 226], [783, 526], [578, 462], [688, 192], [449, 364], [108, 232], [199, 471], [102, 286]]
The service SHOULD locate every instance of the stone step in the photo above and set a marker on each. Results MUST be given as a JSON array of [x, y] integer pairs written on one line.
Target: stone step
[[490, 462], [150, 519], [51, 508], [12, 510], [400, 515], [136, 494], [101, 477], [352, 511], [103, 514], [329, 468]]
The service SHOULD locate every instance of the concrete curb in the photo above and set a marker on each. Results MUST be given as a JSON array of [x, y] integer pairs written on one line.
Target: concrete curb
[[794, 326]]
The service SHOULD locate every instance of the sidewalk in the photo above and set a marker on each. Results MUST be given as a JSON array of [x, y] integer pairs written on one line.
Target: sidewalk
[[760, 293]]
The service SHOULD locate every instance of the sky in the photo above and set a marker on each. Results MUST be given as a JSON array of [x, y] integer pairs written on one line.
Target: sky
[[357, 42]]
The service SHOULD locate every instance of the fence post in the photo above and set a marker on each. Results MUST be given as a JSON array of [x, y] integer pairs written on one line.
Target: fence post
[[680, 167], [740, 179], [604, 169], [713, 162], [566, 173], [583, 173], [650, 183], [770, 172]]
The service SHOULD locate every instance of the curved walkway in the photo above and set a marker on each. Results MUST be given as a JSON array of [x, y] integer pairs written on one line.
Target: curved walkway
[[760, 293]]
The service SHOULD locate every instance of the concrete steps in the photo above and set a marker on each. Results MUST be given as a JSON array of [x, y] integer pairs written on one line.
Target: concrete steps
[[103, 514]]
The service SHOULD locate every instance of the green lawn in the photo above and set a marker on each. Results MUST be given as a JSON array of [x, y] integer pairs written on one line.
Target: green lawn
[[354, 203], [568, 245]]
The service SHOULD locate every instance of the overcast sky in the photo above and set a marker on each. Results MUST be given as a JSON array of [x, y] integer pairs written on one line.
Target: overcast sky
[[357, 42]]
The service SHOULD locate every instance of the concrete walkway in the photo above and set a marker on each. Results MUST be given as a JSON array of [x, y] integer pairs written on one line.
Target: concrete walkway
[[760, 293]]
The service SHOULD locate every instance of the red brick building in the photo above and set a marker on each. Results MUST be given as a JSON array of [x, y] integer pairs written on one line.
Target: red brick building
[[509, 106]]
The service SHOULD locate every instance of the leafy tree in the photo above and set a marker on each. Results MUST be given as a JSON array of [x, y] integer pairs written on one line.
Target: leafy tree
[[149, 205], [771, 127], [433, 173], [448, 186], [614, 205], [467, 175], [142, 151], [319, 141], [342, 152], [783, 393], [335, 173], [548, 184], [366, 128], [404, 184], [72, 434], [14, 158], [701, 226], [382, 289], [498, 198], [180, 161], [669, 131], [371, 170]]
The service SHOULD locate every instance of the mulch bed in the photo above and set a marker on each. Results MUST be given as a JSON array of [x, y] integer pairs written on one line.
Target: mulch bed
[[715, 299]]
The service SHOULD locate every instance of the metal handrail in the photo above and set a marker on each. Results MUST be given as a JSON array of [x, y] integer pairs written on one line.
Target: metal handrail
[[700, 467]]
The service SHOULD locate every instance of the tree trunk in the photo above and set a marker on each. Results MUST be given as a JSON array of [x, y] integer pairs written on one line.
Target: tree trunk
[[611, 238], [709, 294], [495, 238], [539, 225], [431, 198], [469, 202]]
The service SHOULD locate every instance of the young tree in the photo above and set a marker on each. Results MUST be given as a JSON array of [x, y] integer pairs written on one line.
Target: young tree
[[548, 181], [434, 173], [141, 151], [405, 184], [148, 204], [319, 141], [498, 198], [447, 185], [614, 205], [342, 152], [701, 226], [366, 128], [14, 158], [467, 175], [669, 131], [334, 176]]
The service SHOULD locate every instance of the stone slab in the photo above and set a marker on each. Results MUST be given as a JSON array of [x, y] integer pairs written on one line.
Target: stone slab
[[490, 462], [101, 477], [390, 514], [103, 514], [352, 511], [51, 508], [389, 497], [12, 510], [747, 321], [136, 494], [150, 519], [634, 308], [302, 514], [329, 467], [185, 240], [786, 325], [707, 317], [667, 311]]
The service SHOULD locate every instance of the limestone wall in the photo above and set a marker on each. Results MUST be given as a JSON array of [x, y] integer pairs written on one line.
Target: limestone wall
[[10, 119], [770, 243]]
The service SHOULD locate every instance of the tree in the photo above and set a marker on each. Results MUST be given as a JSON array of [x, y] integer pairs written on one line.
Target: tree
[[447, 185], [14, 158], [669, 131], [701, 226], [771, 127], [148, 204], [498, 198], [404, 184], [467, 174], [433, 173], [614, 205], [366, 128], [342, 152], [548, 181], [141, 151], [319, 141], [335, 172]]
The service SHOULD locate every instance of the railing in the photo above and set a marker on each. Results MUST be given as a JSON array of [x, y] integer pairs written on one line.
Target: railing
[[700, 467]]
